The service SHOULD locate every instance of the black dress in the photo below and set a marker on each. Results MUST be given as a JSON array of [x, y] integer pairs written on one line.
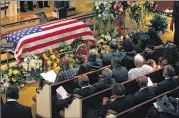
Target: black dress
[[176, 21]]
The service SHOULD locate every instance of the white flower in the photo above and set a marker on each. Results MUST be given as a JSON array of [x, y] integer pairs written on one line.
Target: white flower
[[99, 15], [108, 37], [97, 7]]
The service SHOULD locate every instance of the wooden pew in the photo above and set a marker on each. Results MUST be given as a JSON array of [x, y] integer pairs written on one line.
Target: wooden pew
[[45, 95], [135, 113], [81, 105]]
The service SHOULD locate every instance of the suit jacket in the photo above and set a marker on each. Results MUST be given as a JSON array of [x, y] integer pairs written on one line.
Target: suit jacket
[[60, 4], [128, 60], [90, 66], [166, 85], [85, 91], [12, 109], [104, 84], [144, 94], [120, 73], [119, 105], [107, 57]]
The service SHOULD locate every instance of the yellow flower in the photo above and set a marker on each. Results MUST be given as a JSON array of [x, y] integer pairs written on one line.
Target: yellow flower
[[55, 65], [50, 49], [52, 57], [14, 79], [22, 85], [44, 55], [106, 48], [57, 69], [49, 62], [10, 73], [15, 72], [61, 50]]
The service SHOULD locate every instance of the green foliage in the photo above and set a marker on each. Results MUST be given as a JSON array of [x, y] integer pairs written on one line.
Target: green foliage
[[159, 23]]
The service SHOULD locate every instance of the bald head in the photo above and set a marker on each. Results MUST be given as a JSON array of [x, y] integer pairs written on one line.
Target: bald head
[[93, 54]]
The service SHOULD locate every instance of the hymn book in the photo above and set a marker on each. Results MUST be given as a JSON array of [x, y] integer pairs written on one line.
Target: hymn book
[[49, 76], [62, 92]]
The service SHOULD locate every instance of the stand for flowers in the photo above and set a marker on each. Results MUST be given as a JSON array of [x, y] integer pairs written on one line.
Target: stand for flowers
[[29, 79]]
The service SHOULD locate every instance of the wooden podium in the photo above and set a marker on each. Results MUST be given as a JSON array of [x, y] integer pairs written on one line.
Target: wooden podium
[[18, 22]]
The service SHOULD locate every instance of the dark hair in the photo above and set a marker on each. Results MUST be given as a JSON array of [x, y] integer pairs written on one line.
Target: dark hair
[[128, 45], [116, 61], [83, 80], [142, 81], [170, 53], [147, 54], [12, 92], [113, 45], [118, 89]]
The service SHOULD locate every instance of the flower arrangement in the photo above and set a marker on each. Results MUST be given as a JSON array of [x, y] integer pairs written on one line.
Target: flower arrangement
[[31, 63], [51, 60], [150, 6], [108, 15], [159, 23], [14, 75]]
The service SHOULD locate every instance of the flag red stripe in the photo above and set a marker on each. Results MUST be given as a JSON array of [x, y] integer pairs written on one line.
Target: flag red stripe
[[59, 25], [49, 35], [30, 49]]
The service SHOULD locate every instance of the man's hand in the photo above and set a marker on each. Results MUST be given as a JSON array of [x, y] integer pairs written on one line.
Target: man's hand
[[105, 100]]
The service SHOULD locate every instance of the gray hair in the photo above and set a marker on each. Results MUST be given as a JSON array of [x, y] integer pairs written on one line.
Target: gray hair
[[107, 73], [138, 60], [168, 72], [93, 54]]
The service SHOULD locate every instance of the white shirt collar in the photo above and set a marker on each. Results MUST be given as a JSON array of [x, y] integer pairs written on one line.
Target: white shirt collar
[[84, 87], [143, 88], [11, 100]]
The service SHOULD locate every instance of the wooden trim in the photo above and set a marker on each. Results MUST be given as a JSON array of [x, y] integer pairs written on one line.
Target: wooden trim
[[110, 87], [148, 101]]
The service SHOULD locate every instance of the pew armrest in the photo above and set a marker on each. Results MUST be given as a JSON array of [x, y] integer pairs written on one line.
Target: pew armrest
[[77, 96], [112, 112]]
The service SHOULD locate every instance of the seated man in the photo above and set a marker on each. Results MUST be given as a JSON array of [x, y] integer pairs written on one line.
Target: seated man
[[170, 82], [92, 64], [141, 68], [106, 80], [119, 72], [145, 92], [106, 57], [67, 72], [12, 109], [86, 88], [118, 101]]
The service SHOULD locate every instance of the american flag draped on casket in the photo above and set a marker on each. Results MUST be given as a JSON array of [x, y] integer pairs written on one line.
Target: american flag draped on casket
[[39, 39]]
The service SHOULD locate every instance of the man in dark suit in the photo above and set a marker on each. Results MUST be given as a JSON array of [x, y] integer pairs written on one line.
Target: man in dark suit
[[145, 92], [62, 6], [92, 64], [30, 6], [41, 5], [106, 57], [12, 109], [119, 72], [170, 82], [118, 101], [105, 81], [128, 60], [86, 88]]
